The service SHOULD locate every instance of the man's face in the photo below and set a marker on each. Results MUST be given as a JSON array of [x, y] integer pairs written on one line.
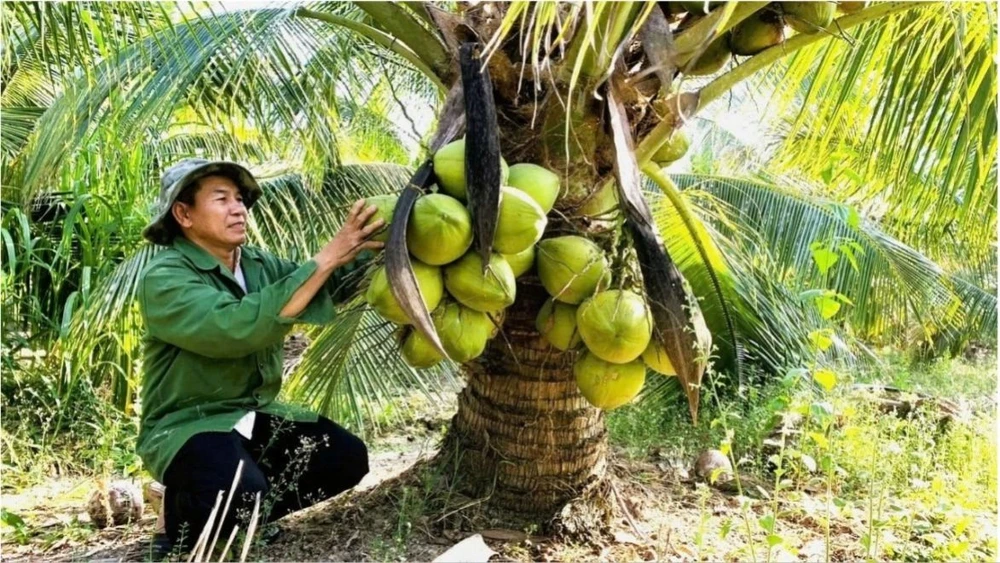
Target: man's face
[[218, 216]]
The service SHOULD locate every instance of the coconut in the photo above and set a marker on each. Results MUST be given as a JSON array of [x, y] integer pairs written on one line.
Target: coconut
[[851, 7], [520, 223], [657, 360], [380, 297], [715, 56], [539, 183], [522, 261], [439, 230], [673, 149], [385, 205], [115, 504], [615, 325], [755, 34], [487, 291], [713, 466], [570, 267], [449, 167], [418, 352], [601, 203], [463, 331], [606, 385], [809, 17], [557, 323]]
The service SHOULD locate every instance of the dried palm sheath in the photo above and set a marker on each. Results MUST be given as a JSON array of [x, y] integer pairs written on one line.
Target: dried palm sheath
[[482, 148], [398, 269], [673, 310]]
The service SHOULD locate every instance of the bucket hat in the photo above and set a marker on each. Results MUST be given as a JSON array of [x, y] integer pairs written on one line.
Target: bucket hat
[[179, 176]]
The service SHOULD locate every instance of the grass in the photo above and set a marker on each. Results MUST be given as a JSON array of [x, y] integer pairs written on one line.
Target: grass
[[48, 432], [864, 483], [906, 488]]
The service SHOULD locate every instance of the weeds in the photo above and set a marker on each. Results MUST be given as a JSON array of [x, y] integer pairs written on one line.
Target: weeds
[[871, 484]]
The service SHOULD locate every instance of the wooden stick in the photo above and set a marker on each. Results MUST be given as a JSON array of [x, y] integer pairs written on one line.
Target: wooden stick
[[225, 510], [225, 550], [251, 529], [199, 547]]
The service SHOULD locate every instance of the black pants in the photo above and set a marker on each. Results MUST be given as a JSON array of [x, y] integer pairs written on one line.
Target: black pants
[[291, 464]]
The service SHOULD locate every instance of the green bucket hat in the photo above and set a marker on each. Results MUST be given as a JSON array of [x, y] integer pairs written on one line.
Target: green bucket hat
[[181, 175]]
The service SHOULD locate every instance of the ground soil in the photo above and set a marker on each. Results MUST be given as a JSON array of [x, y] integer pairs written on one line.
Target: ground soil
[[665, 516]]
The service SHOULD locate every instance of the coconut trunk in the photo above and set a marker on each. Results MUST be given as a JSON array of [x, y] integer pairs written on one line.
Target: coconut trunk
[[524, 436]]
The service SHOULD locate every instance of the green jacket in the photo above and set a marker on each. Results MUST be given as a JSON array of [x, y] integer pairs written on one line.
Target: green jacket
[[213, 353]]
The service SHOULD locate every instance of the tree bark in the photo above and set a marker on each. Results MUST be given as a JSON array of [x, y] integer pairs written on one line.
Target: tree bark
[[524, 437]]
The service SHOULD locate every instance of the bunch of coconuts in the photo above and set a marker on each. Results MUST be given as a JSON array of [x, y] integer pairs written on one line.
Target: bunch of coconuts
[[610, 328], [764, 29], [466, 300]]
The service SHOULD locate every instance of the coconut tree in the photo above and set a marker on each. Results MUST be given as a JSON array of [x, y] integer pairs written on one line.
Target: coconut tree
[[596, 92]]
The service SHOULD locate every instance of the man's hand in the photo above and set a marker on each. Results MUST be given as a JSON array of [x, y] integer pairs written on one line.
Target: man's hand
[[352, 237]]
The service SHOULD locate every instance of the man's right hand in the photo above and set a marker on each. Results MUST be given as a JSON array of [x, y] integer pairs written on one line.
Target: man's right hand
[[352, 237]]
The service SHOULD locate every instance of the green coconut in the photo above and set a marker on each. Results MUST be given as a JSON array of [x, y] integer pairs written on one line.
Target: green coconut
[[380, 297], [449, 167], [418, 352], [606, 385], [463, 331], [570, 267], [601, 203], [755, 34], [657, 360], [385, 205], [615, 325], [520, 222], [809, 17], [672, 150], [557, 323], [487, 291], [439, 230], [851, 7], [715, 56], [522, 261], [540, 183]]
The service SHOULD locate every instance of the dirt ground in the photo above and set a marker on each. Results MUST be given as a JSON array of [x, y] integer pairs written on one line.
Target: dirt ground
[[672, 519]]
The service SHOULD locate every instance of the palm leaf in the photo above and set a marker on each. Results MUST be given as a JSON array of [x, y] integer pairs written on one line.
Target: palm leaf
[[888, 282], [236, 62], [904, 114]]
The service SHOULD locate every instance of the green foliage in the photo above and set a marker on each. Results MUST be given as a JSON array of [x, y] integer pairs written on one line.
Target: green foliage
[[911, 488], [789, 266], [58, 430]]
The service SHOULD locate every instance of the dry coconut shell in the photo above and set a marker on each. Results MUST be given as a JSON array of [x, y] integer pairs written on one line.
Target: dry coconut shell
[[713, 466], [115, 504]]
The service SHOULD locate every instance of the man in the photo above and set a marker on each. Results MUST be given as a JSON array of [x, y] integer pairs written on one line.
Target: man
[[216, 315]]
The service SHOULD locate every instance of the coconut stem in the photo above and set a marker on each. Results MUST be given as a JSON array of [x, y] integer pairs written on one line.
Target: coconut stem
[[725, 82]]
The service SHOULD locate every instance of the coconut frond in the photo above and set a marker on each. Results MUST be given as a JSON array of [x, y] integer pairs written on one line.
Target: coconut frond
[[904, 114], [766, 324], [353, 371], [235, 63], [817, 244]]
